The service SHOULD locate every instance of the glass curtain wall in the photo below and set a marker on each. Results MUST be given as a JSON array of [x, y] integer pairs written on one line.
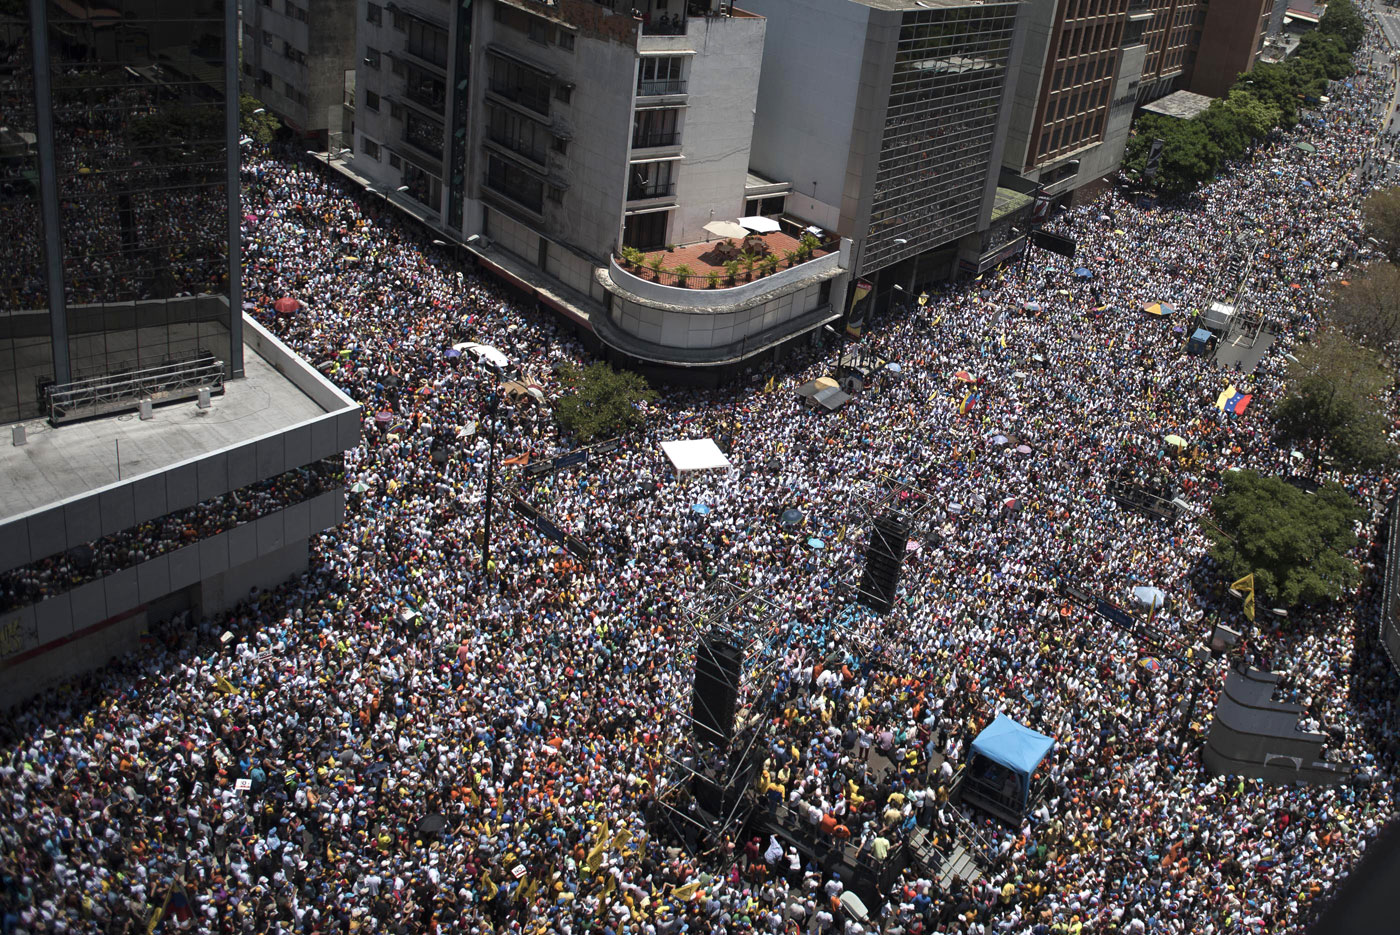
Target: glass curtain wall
[[140, 150], [25, 350]]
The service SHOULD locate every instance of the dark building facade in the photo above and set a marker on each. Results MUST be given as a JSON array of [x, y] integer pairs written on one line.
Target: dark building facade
[[118, 193]]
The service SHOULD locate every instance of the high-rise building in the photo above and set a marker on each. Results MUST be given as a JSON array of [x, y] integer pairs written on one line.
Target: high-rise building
[[1231, 38], [578, 129], [1173, 35], [1076, 91], [299, 61], [119, 296], [889, 117]]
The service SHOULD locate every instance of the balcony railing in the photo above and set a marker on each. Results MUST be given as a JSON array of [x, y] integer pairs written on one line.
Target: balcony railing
[[655, 87], [636, 192], [648, 140], [431, 99], [664, 26]]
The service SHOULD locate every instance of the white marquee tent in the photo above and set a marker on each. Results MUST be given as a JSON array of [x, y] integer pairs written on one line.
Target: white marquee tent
[[695, 454]]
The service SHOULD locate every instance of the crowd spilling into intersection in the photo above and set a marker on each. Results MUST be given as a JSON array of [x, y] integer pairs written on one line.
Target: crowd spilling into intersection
[[406, 740]]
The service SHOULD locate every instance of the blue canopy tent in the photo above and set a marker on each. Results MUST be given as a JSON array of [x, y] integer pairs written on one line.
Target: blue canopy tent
[[1200, 341], [1004, 756]]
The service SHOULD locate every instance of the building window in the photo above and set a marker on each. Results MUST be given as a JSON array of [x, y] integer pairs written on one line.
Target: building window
[[265, 79], [372, 58], [566, 40], [646, 231], [651, 180], [655, 128], [374, 13], [515, 82], [517, 133], [563, 93], [423, 133], [537, 31], [661, 76], [296, 12], [515, 183], [556, 195], [267, 39], [394, 160], [428, 42], [370, 148], [395, 111], [371, 100], [561, 146]]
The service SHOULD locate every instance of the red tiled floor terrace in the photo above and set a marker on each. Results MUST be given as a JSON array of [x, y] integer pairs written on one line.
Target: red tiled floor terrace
[[709, 256]]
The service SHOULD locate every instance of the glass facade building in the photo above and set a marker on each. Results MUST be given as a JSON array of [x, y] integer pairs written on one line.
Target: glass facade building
[[118, 192], [949, 75]]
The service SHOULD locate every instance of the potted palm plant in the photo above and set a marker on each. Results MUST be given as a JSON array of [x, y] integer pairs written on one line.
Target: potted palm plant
[[731, 270], [769, 265], [683, 274], [655, 264], [632, 257], [712, 278]]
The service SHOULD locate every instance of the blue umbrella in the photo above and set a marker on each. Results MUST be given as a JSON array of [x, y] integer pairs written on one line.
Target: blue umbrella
[[701, 508], [792, 517], [452, 353], [1083, 272], [1032, 306], [1149, 596], [894, 368], [816, 543]]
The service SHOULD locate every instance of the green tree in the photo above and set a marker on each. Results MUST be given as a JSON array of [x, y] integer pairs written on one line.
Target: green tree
[[260, 126], [1344, 21], [1381, 215], [1368, 310], [1294, 543], [1256, 118], [1333, 407], [602, 401]]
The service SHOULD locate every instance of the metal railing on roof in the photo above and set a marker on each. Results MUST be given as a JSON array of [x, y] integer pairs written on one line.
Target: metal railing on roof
[[120, 392]]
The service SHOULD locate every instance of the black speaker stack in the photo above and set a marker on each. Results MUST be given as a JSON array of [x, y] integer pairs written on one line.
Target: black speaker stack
[[717, 669], [884, 561]]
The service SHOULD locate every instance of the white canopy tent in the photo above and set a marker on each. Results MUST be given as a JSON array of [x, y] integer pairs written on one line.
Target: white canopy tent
[[695, 454], [486, 352]]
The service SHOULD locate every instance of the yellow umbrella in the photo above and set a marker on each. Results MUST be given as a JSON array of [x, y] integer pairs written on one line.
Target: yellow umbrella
[[1175, 440], [825, 383]]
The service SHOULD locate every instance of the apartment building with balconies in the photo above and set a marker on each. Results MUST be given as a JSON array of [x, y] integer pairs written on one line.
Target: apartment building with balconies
[[298, 59]]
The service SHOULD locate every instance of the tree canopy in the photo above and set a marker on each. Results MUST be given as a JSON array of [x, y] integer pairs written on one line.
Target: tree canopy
[[1294, 543], [602, 401], [1367, 309], [1334, 406], [1381, 214], [1262, 99], [260, 126]]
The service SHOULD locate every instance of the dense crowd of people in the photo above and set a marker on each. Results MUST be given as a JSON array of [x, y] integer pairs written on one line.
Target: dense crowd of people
[[405, 739]]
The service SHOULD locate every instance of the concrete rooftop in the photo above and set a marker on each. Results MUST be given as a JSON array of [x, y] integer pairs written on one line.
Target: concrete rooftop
[[58, 463], [1180, 104]]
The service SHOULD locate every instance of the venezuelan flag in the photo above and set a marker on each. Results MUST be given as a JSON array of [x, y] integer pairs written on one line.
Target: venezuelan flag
[[1225, 396]]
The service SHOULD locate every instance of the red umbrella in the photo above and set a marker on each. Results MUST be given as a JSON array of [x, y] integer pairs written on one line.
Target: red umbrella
[[285, 305]]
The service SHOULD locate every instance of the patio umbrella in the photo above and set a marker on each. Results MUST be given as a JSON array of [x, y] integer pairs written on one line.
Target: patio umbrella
[[965, 377], [285, 305], [894, 368], [912, 545], [1150, 596], [452, 353], [1175, 440], [383, 417], [1009, 503], [726, 229], [824, 383], [1150, 663], [701, 508], [760, 225], [1023, 449], [999, 440], [1031, 306], [792, 517]]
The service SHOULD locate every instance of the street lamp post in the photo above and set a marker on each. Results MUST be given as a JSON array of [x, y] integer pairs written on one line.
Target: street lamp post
[[490, 478]]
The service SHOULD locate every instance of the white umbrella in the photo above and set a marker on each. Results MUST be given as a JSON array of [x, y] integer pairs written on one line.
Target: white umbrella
[[485, 352], [761, 225], [726, 229]]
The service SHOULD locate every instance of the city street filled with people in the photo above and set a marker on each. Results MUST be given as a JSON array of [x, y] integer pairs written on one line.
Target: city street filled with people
[[405, 739]]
